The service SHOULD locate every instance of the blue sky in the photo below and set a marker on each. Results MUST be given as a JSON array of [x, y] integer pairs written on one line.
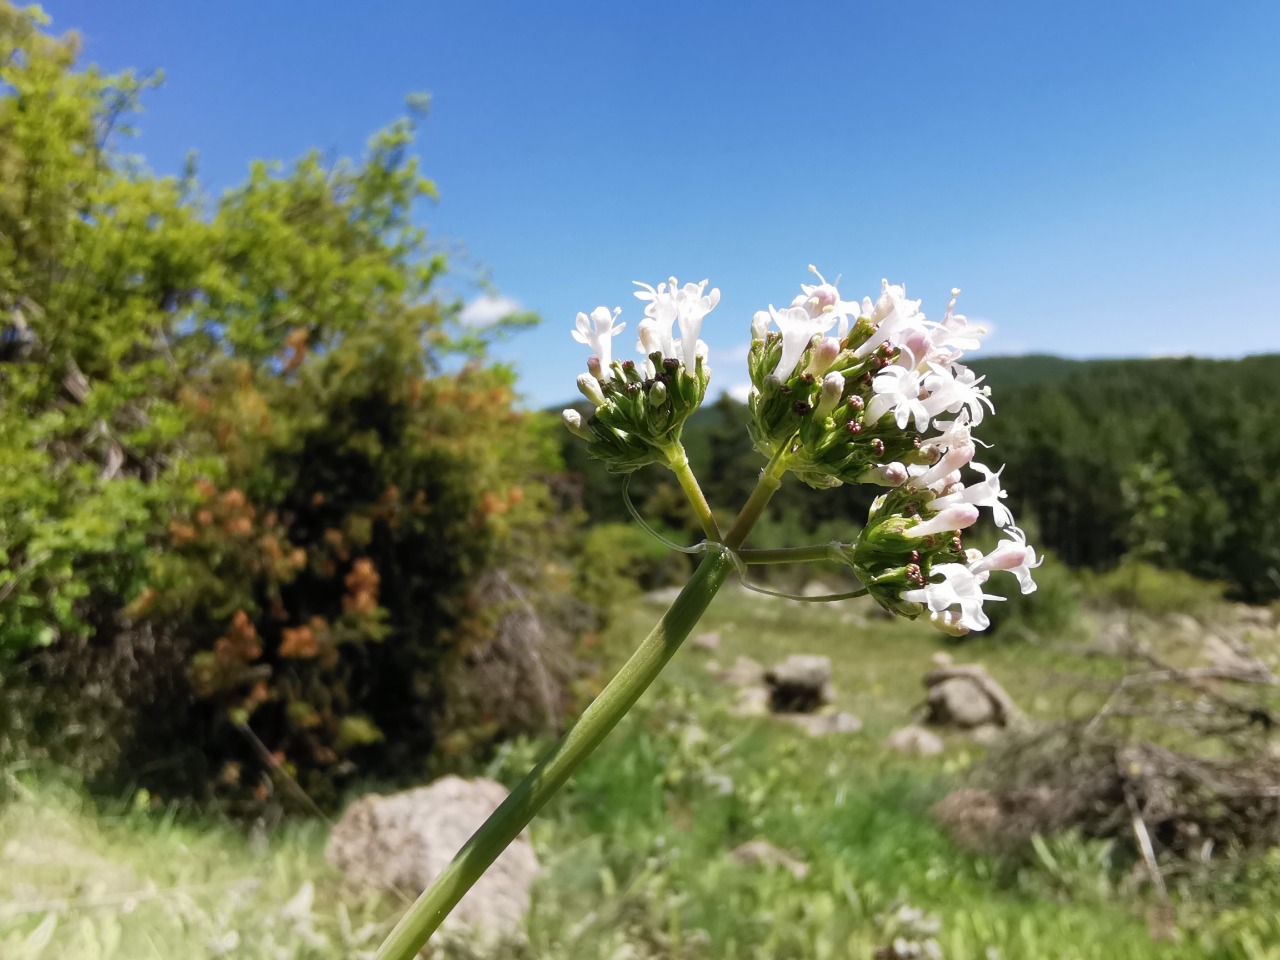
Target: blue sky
[[1101, 179]]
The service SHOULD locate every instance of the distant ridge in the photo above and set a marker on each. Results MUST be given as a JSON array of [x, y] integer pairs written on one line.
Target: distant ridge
[[1047, 370]]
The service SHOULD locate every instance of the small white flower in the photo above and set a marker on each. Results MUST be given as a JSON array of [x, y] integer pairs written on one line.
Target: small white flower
[[955, 334], [1014, 555], [597, 332], [885, 475], [824, 298], [899, 388], [824, 355], [960, 449], [986, 493], [669, 304], [959, 587], [896, 318], [956, 389], [798, 330], [655, 337]]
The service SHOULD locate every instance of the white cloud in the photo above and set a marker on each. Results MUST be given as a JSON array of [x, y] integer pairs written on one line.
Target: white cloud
[[739, 391], [731, 356], [488, 309]]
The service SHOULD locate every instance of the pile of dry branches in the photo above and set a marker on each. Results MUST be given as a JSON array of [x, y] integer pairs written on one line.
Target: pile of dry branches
[[1177, 761]]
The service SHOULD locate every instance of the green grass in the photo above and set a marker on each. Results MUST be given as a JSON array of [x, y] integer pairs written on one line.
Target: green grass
[[637, 849], [79, 882]]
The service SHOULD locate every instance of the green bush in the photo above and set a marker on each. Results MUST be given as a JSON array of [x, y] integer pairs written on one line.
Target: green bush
[[617, 561], [246, 520], [1151, 589]]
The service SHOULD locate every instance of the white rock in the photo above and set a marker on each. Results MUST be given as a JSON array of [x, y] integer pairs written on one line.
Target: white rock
[[404, 841], [914, 739]]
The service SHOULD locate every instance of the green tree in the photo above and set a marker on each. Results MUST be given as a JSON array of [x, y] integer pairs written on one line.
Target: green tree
[[238, 488]]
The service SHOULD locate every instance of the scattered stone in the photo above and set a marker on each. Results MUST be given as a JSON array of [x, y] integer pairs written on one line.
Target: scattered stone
[[1250, 617], [959, 702], [800, 684], [1115, 639], [987, 734], [966, 696], [825, 724], [403, 841], [914, 739], [707, 642], [1184, 625], [1232, 656], [745, 672], [751, 702], [761, 853]]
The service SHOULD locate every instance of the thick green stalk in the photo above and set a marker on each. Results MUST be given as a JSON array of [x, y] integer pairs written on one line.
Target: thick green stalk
[[678, 461], [505, 824], [549, 776]]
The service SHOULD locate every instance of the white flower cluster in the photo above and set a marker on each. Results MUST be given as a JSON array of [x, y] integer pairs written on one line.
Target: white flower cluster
[[874, 391], [923, 383], [668, 307], [640, 408], [842, 391]]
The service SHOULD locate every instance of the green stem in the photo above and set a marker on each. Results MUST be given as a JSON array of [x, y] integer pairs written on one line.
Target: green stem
[[768, 484], [821, 551], [550, 775], [678, 461], [505, 824]]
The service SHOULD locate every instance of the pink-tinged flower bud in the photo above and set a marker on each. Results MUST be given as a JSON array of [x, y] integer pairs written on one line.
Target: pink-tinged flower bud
[[886, 475], [573, 421], [832, 390], [948, 520], [596, 370], [919, 344], [824, 297], [824, 354], [957, 455], [590, 388]]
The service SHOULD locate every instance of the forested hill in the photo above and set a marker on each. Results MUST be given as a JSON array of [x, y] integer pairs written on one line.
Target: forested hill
[[1045, 370], [1177, 458]]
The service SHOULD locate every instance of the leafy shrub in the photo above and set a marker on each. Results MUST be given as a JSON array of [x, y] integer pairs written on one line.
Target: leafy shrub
[[245, 517], [619, 560], [1153, 590]]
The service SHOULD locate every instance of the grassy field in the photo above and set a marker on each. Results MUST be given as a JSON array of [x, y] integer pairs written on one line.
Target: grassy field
[[637, 850]]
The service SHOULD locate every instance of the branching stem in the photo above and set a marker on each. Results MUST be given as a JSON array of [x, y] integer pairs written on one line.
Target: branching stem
[[429, 910]]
